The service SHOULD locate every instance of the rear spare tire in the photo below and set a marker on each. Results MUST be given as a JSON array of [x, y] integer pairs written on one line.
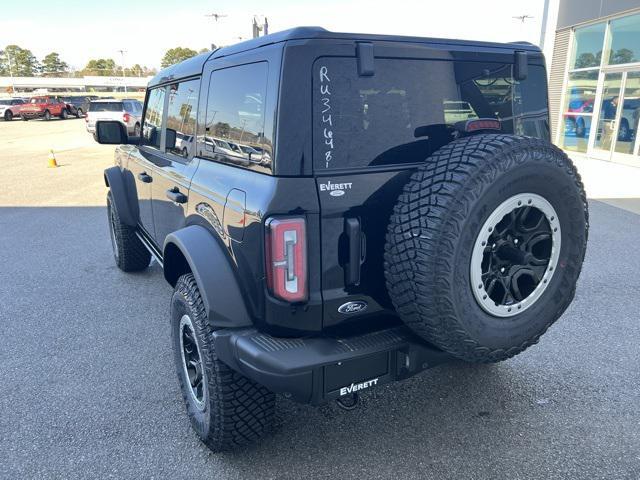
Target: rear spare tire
[[485, 245]]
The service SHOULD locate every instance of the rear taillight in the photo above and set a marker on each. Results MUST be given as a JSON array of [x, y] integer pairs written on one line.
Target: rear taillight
[[126, 117], [286, 258]]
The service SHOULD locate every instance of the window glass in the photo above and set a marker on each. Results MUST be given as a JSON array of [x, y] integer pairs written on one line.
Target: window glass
[[181, 117], [587, 48], [630, 118], [577, 110], [234, 128], [394, 117], [153, 118], [105, 107], [625, 40]]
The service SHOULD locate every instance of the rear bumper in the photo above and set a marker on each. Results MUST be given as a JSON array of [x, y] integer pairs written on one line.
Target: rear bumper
[[319, 369]]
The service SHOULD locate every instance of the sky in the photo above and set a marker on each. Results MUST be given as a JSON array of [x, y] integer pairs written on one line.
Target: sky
[[82, 29]]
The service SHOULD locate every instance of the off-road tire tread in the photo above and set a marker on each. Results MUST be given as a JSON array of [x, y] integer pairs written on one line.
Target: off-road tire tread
[[133, 255], [426, 222], [242, 411]]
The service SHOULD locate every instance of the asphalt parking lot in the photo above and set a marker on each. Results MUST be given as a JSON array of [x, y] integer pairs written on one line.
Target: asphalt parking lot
[[89, 388]]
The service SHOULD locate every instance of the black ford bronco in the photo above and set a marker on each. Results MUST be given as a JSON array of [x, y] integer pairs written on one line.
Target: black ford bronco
[[339, 211]]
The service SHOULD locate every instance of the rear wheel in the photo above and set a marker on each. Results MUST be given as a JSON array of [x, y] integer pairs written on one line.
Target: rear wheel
[[485, 245], [78, 113], [225, 408], [128, 251], [8, 115], [64, 114]]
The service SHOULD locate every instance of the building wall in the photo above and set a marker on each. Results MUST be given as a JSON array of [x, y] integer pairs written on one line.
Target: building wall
[[574, 12], [557, 73]]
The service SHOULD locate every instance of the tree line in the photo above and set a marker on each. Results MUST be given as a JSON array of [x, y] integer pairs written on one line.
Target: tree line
[[21, 62]]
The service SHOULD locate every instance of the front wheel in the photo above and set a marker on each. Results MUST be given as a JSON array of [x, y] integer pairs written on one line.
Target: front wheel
[[136, 130], [47, 115], [128, 251], [64, 114], [226, 409], [78, 113]]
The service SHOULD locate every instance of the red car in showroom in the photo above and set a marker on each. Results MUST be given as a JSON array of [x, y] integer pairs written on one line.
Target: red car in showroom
[[44, 107]]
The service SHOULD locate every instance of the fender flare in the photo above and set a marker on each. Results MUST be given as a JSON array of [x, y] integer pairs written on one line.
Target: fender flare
[[114, 179], [207, 260]]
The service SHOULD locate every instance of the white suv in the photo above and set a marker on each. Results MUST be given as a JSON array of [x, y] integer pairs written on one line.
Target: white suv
[[126, 111]]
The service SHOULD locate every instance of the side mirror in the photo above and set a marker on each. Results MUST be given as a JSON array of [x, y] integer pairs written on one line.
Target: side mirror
[[171, 139], [110, 132]]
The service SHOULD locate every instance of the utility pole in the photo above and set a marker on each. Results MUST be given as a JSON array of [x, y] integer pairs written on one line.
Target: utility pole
[[124, 80], [522, 18]]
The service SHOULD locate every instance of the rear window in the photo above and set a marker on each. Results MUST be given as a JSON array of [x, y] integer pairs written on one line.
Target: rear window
[[105, 107], [408, 108]]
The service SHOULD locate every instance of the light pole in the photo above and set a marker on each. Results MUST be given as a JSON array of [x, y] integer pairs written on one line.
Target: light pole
[[216, 17], [124, 80]]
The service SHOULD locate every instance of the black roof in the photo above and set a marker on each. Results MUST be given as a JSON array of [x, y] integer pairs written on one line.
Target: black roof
[[193, 66]]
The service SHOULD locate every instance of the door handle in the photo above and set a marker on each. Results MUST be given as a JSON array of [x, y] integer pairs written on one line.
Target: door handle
[[176, 195], [144, 178], [357, 248]]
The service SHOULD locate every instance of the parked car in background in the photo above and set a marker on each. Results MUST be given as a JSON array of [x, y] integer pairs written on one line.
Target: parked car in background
[[10, 107], [126, 111], [79, 105], [44, 107], [574, 121], [629, 120]]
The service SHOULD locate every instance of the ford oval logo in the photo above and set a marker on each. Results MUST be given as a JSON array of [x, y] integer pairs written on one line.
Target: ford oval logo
[[336, 193], [353, 307]]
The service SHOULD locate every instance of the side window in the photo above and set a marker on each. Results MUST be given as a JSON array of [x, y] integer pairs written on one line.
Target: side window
[[234, 127], [181, 117], [127, 107], [153, 118]]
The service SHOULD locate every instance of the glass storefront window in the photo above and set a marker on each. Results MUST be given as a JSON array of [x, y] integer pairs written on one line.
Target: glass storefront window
[[578, 110], [608, 111], [625, 40], [630, 117], [587, 49]]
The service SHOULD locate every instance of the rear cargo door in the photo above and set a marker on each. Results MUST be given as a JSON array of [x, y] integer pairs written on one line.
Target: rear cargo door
[[372, 129]]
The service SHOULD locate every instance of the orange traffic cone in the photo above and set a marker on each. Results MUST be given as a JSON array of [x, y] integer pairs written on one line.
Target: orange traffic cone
[[52, 160]]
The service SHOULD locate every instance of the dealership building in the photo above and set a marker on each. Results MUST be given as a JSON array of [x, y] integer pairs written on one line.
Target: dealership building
[[594, 82]]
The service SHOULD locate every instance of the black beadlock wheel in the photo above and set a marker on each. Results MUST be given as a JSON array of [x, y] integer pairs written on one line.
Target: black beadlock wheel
[[226, 409], [485, 245], [129, 253]]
